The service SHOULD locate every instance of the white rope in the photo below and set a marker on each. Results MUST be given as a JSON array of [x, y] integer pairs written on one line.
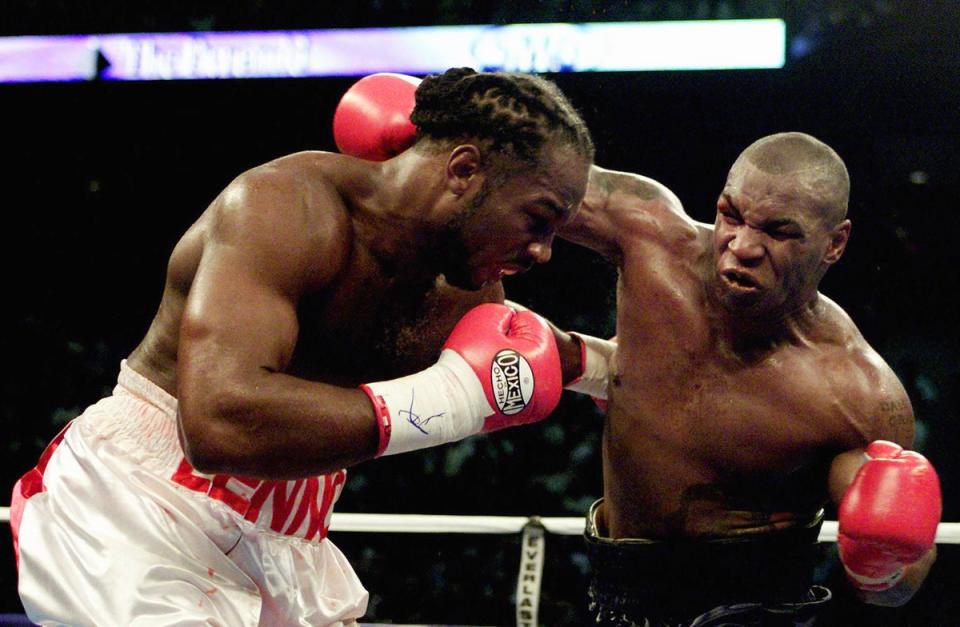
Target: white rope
[[428, 523], [947, 532]]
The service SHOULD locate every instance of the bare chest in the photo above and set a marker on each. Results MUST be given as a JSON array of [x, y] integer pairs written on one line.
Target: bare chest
[[680, 387], [684, 454], [751, 418], [370, 328]]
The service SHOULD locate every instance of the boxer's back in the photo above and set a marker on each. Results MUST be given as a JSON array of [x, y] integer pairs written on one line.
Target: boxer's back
[[710, 436], [364, 320]]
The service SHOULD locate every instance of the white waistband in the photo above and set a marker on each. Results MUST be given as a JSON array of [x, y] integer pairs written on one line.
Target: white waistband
[[140, 420]]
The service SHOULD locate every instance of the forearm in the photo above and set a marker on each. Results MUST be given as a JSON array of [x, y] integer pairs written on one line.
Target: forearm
[[571, 357], [277, 426], [591, 225], [498, 368]]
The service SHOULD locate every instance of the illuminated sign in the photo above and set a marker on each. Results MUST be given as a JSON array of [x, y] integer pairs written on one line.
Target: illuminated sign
[[592, 47]]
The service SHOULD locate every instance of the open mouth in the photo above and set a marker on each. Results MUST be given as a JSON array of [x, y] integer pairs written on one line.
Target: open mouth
[[493, 273], [512, 269], [740, 280]]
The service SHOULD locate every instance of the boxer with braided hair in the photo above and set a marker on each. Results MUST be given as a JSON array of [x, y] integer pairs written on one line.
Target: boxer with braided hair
[[514, 113], [200, 491]]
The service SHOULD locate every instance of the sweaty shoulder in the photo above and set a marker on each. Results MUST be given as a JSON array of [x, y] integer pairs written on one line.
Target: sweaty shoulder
[[621, 207], [866, 388], [290, 215]]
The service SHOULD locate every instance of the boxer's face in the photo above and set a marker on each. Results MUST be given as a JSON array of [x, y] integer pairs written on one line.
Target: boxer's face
[[770, 241], [509, 224]]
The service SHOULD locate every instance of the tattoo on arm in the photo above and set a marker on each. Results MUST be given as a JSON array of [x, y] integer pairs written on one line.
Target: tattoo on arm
[[639, 187], [897, 420], [606, 183], [603, 181]]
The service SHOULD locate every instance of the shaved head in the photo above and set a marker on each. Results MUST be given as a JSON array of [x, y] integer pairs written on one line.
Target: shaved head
[[813, 163]]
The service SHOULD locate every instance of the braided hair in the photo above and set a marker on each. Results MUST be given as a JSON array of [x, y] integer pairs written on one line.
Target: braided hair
[[514, 113]]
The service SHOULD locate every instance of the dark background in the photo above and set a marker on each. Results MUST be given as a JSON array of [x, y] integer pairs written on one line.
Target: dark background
[[99, 179]]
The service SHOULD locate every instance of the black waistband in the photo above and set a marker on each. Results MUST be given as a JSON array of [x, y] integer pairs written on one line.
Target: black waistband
[[776, 566]]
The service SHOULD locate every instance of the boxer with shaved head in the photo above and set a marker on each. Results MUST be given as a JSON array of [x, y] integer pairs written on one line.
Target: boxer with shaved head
[[742, 401]]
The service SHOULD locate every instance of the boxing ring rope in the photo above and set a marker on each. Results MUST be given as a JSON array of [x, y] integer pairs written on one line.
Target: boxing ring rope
[[947, 532], [532, 545]]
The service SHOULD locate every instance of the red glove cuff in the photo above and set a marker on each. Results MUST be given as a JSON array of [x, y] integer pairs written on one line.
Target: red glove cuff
[[384, 422]]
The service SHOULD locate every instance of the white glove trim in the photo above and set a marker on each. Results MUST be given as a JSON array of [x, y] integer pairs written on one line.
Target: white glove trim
[[874, 584], [441, 404], [595, 355]]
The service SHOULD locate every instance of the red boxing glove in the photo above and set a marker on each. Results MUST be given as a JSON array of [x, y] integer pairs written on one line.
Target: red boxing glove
[[498, 368], [888, 516], [514, 355], [372, 120]]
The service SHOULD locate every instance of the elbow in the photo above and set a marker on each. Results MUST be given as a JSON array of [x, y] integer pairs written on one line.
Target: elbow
[[212, 433], [201, 451]]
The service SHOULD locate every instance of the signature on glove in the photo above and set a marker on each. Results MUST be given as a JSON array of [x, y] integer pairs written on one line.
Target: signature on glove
[[415, 419]]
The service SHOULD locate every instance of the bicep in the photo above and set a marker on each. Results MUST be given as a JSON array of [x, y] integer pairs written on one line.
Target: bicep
[[894, 417], [262, 252], [237, 319], [889, 417]]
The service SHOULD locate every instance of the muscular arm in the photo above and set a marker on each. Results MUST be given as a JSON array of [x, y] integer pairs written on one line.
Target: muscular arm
[[238, 412], [615, 206], [893, 420], [889, 416]]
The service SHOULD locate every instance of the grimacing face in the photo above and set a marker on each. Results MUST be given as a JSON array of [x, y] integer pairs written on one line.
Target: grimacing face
[[771, 239], [509, 224]]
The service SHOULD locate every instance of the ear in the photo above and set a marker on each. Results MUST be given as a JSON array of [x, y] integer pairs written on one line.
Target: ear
[[838, 242], [463, 164]]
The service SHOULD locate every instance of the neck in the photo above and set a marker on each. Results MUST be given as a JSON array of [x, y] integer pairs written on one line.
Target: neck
[[747, 334]]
